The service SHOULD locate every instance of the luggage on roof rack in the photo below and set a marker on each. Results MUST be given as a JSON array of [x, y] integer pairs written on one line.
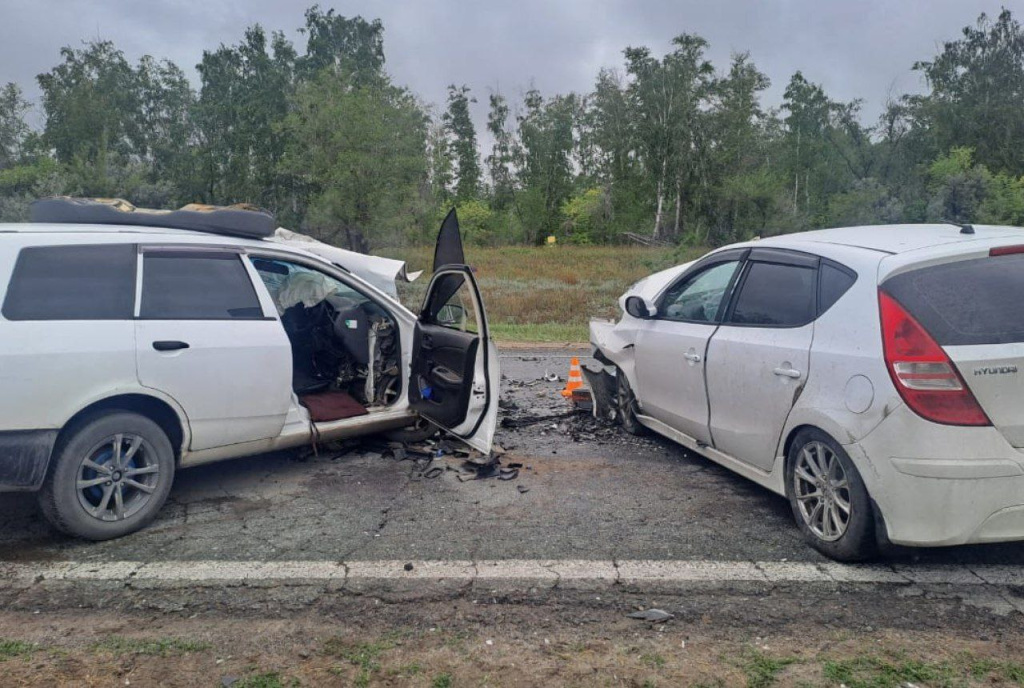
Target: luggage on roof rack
[[237, 220]]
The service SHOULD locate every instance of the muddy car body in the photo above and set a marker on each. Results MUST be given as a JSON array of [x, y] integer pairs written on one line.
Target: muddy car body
[[129, 351], [869, 374]]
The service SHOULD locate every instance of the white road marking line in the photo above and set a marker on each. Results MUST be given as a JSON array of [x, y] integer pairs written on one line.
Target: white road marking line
[[636, 572]]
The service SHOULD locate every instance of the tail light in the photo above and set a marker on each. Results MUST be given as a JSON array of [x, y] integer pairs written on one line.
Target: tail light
[[922, 372]]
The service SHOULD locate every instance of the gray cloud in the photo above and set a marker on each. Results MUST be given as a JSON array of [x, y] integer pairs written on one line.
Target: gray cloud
[[855, 48]]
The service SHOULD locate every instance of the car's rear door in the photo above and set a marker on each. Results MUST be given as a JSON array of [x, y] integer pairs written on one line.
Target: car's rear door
[[671, 347], [757, 360], [455, 375], [204, 338]]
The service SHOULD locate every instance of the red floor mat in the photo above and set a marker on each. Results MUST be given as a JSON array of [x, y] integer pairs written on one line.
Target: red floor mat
[[327, 406]]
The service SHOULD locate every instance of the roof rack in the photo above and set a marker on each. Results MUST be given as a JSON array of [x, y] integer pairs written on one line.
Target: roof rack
[[238, 220]]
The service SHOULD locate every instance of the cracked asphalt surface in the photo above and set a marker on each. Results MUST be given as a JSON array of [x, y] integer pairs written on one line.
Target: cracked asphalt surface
[[585, 492], [624, 506]]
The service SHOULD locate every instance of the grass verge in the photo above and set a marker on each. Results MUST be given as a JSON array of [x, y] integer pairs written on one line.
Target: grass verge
[[547, 294]]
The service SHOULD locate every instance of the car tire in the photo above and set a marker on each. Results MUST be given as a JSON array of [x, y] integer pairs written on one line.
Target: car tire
[[628, 406], [109, 476], [420, 431], [829, 500]]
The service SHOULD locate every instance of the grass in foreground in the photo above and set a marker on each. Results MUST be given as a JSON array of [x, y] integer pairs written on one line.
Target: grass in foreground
[[547, 294], [11, 649], [161, 647], [444, 659]]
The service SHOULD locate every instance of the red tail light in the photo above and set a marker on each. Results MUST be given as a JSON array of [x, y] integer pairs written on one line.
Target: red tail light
[[922, 372]]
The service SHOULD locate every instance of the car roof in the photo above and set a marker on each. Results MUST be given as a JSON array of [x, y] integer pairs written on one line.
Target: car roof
[[75, 230], [894, 239]]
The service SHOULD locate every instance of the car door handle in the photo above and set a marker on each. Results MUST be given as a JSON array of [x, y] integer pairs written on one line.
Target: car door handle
[[692, 357], [169, 345], [788, 372]]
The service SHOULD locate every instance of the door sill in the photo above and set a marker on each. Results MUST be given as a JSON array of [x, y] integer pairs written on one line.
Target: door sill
[[297, 434], [763, 478]]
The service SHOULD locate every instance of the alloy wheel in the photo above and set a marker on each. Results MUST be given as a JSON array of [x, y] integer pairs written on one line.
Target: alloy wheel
[[117, 477], [822, 491]]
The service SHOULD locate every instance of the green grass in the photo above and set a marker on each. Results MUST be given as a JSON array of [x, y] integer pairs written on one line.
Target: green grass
[[12, 649], [897, 669], [364, 656], [652, 660], [269, 679], [763, 670], [539, 332], [161, 647], [542, 294], [442, 681]]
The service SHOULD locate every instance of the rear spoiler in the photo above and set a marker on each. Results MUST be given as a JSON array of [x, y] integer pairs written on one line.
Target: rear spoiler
[[383, 273]]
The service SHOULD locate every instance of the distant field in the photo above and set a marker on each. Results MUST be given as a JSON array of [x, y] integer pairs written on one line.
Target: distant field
[[547, 294]]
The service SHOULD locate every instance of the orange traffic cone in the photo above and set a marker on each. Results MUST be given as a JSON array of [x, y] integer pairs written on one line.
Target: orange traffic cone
[[575, 378]]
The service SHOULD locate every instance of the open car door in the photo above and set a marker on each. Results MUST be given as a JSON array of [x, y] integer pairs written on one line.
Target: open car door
[[455, 372]]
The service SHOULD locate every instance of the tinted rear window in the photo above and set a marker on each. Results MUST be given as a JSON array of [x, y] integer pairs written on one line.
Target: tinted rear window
[[833, 283], [72, 283], [979, 301], [182, 285], [775, 295]]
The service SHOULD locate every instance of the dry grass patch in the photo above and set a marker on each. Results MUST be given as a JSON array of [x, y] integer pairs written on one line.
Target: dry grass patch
[[541, 293]]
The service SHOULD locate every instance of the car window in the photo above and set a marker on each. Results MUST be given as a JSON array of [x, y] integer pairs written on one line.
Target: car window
[[832, 284], [291, 284], [775, 295], [452, 305], [698, 297], [73, 283], [190, 285], [966, 302]]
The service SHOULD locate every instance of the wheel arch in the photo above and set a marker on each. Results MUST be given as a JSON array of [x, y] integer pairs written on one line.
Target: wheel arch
[[855, 455], [158, 410]]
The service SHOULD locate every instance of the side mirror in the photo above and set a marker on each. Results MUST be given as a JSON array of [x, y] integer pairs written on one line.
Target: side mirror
[[638, 308]]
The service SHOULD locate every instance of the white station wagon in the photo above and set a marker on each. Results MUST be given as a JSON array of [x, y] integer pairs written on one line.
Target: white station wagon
[[870, 374], [144, 342]]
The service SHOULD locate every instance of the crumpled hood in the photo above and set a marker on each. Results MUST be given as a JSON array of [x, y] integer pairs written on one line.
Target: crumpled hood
[[380, 272]]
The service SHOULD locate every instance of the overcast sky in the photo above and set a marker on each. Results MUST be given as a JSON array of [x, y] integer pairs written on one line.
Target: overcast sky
[[855, 48]]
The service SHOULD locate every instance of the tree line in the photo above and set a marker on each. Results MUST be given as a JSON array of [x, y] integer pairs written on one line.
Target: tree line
[[665, 148]]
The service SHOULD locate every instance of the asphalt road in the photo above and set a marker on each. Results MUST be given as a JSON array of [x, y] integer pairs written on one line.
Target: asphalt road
[[585, 492]]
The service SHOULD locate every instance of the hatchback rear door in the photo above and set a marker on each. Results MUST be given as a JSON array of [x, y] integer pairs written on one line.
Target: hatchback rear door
[[455, 373], [757, 360], [973, 307]]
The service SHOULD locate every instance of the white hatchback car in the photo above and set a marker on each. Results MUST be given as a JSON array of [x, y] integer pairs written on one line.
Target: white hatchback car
[[130, 351], [869, 374]]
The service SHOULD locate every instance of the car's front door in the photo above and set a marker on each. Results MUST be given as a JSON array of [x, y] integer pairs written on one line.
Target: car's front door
[[455, 376], [757, 360], [671, 347], [203, 338]]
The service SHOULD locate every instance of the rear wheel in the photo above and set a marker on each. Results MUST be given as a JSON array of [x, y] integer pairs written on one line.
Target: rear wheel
[[109, 477], [829, 501], [627, 406]]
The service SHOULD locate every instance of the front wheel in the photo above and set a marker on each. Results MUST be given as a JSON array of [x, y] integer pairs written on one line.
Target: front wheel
[[829, 501], [109, 477], [627, 405]]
